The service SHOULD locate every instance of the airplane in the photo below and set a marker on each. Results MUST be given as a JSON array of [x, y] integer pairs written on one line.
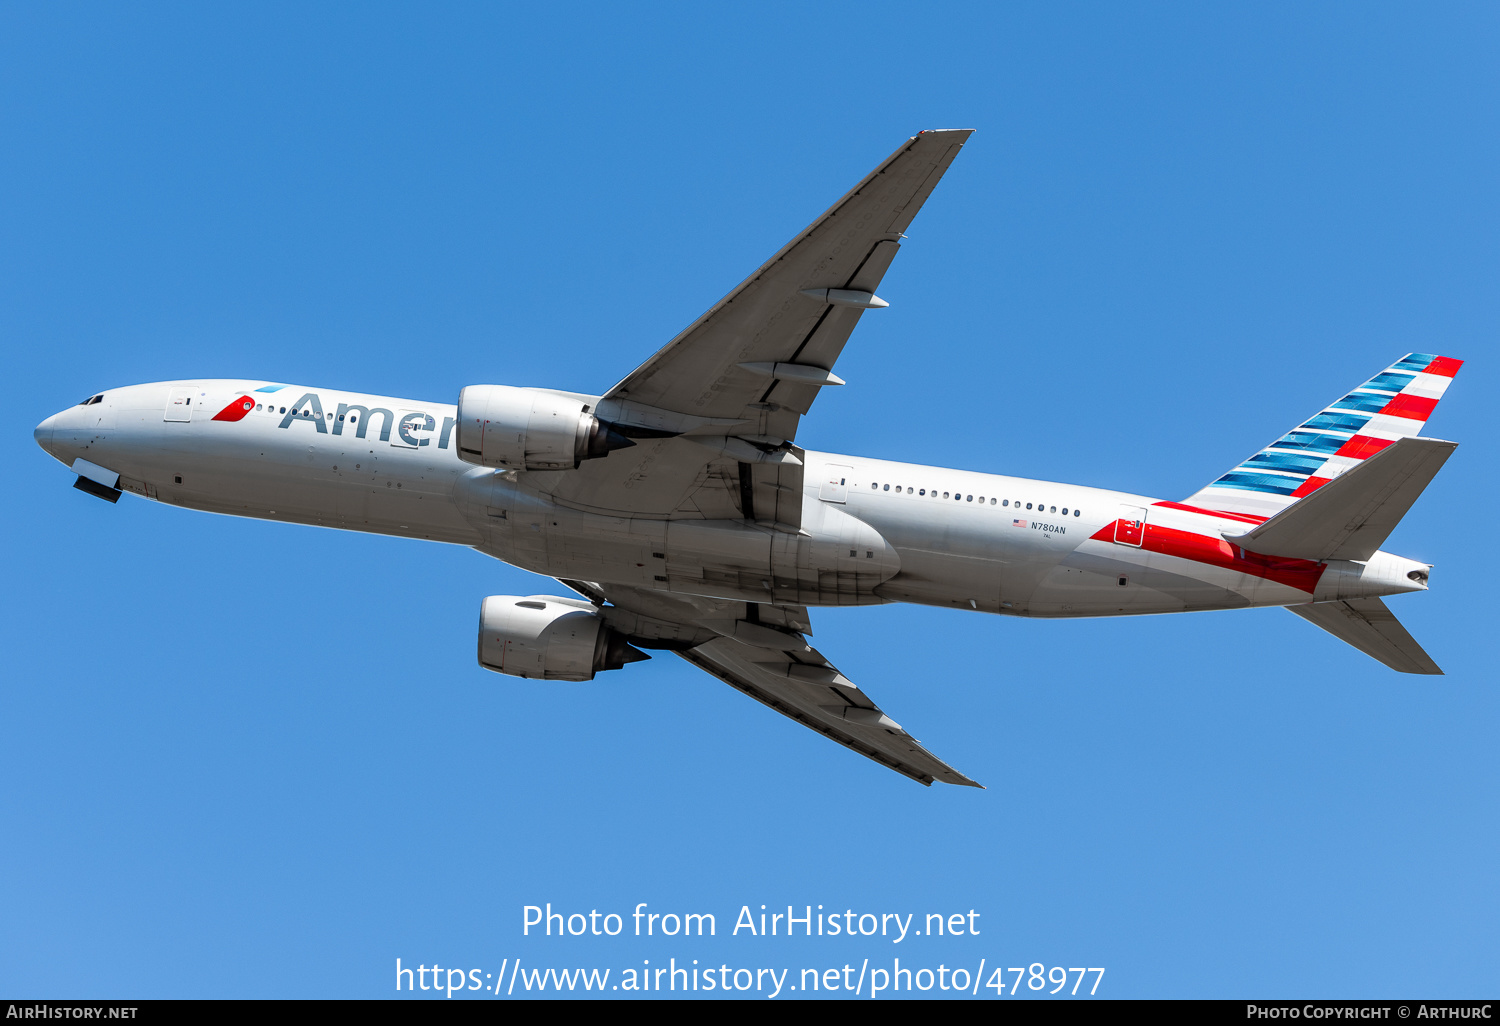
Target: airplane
[[682, 514]]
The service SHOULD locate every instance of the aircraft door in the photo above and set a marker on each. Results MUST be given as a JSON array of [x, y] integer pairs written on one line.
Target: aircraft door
[[180, 404], [1130, 526], [835, 486], [413, 429]]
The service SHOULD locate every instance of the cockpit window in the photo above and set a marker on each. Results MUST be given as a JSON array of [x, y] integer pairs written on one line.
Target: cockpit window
[[91, 400]]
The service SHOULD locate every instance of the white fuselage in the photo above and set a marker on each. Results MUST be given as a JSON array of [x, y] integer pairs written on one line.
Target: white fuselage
[[872, 530]]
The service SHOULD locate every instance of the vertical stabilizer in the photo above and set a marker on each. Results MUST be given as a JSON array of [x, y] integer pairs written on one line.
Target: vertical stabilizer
[[1392, 405]]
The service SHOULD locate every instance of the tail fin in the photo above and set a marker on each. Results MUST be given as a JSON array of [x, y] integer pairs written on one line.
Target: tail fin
[[1394, 404], [1373, 629]]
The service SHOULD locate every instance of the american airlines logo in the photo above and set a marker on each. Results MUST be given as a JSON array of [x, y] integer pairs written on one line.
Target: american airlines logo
[[409, 427]]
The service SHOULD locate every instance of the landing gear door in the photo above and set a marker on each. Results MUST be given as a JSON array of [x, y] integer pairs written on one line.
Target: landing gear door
[[835, 486], [1130, 526]]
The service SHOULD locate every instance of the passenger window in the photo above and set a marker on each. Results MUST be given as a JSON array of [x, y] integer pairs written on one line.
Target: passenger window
[[1076, 513], [992, 502], [1054, 509], [887, 487], [922, 491], [969, 499], [283, 409], [1005, 503], [1065, 511], [945, 495]]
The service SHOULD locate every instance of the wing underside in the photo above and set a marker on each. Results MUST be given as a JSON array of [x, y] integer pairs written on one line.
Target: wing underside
[[760, 650], [828, 704], [784, 314], [714, 413]]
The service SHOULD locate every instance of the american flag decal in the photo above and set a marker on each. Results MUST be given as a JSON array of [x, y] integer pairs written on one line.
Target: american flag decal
[[1018, 523]]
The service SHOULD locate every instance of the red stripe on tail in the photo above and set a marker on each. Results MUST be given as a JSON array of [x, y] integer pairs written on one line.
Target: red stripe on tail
[[1362, 447], [1446, 366], [1309, 486], [1415, 407]]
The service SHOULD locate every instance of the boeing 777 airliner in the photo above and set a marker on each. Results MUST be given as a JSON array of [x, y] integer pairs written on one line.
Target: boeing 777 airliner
[[680, 511]]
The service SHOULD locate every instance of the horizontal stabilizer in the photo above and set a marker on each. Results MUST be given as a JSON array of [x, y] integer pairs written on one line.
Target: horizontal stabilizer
[[1373, 629], [1351, 516]]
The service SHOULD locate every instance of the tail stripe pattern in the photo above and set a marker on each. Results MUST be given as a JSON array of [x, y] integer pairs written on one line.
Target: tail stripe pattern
[[1394, 404]]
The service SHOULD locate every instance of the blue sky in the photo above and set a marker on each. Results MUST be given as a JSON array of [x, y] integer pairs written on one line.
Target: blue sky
[[250, 759]]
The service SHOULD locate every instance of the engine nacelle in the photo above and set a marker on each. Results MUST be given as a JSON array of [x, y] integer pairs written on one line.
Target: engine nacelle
[[548, 638], [527, 429]]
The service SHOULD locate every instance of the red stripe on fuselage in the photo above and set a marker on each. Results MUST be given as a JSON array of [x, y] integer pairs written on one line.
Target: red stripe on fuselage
[[1248, 518], [1301, 574], [236, 410]]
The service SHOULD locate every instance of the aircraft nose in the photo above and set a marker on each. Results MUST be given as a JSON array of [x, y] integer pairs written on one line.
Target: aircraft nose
[[44, 432]]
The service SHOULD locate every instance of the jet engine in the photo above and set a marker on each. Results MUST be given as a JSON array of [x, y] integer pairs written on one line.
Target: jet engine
[[528, 429], [548, 638]]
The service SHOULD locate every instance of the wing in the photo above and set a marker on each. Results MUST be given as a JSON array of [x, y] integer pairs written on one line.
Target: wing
[[760, 650], [725, 396], [784, 316]]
